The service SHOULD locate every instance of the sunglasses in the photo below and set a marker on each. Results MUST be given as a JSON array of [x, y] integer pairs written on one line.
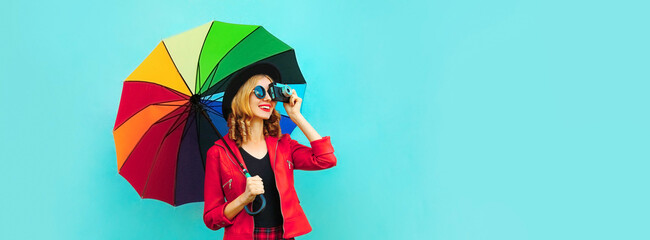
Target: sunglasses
[[278, 92], [259, 92]]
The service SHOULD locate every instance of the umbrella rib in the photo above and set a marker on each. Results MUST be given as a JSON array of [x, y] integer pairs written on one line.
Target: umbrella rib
[[166, 104], [225, 55], [215, 73], [178, 123], [172, 116], [175, 126], [175, 67], [198, 60], [155, 160], [198, 137], [213, 100], [184, 132], [171, 90], [136, 113], [215, 112], [140, 140], [169, 132], [218, 85], [178, 154]]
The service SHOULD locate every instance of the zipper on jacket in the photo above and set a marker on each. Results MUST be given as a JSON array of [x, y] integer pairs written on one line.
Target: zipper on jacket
[[229, 182], [276, 186], [236, 165], [289, 163]]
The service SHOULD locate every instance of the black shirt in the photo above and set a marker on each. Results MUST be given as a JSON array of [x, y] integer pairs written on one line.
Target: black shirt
[[271, 216]]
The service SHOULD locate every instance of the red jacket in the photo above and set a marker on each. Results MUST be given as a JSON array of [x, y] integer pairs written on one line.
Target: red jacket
[[224, 181]]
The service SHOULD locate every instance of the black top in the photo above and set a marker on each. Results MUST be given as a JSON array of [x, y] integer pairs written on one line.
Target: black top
[[271, 216]]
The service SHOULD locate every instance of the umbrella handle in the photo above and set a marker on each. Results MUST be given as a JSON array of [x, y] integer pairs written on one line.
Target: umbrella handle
[[259, 210]]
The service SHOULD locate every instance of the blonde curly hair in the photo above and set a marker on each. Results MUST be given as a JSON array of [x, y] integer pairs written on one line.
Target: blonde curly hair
[[239, 120]]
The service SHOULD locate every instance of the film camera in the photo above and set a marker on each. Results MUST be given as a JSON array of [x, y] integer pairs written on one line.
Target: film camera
[[280, 92]]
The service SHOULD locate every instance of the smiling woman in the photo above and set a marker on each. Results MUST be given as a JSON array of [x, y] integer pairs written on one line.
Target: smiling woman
[[245, 107], [255, 145]]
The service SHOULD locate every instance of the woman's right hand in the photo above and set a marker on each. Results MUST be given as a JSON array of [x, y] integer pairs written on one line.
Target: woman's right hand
[[254, 187]]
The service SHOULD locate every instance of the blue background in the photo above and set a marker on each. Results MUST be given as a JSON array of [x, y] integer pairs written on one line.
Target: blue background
[[450, 119]]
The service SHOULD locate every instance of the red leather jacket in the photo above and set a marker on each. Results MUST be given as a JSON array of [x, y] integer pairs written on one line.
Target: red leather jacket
[[224, 181]]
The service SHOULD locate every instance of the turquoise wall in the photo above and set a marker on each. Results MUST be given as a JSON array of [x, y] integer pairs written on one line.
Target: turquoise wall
[[450, 119]]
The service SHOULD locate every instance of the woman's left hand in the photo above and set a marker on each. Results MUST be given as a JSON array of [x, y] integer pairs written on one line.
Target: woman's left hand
[[293, 106], [293, 110]]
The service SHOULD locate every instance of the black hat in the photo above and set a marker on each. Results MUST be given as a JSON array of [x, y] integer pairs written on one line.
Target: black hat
[[241, 77]]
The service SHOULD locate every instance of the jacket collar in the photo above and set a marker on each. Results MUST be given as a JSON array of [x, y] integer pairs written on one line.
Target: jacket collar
[[271, 146]]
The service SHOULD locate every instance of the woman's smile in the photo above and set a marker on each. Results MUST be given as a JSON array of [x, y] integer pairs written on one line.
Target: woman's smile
[[265, 107]]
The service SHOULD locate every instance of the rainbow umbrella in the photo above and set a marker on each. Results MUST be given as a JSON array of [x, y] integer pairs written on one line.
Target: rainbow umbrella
[[161, 135]]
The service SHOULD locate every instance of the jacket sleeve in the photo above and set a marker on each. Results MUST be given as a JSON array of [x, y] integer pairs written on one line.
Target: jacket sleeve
[[319, 156], [215, 202]]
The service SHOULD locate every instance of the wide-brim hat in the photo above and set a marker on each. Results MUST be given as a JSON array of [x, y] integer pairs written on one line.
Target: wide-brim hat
[[241, 77]]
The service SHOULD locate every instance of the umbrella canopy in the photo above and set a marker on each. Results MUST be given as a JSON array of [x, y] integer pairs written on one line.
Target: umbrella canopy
[[161, 135]]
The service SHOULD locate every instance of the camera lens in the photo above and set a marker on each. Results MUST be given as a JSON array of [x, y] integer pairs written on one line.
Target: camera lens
[[286, 90]]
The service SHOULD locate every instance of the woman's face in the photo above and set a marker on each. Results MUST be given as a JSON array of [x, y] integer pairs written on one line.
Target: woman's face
[[262, 108]]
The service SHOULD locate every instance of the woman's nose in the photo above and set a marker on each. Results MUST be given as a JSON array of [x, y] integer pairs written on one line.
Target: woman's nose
[[267, 97]]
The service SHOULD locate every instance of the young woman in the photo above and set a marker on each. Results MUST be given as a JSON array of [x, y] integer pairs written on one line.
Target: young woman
[[255, 139]]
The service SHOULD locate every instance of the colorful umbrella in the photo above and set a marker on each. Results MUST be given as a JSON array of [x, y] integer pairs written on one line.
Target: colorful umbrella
[[161, 135]]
